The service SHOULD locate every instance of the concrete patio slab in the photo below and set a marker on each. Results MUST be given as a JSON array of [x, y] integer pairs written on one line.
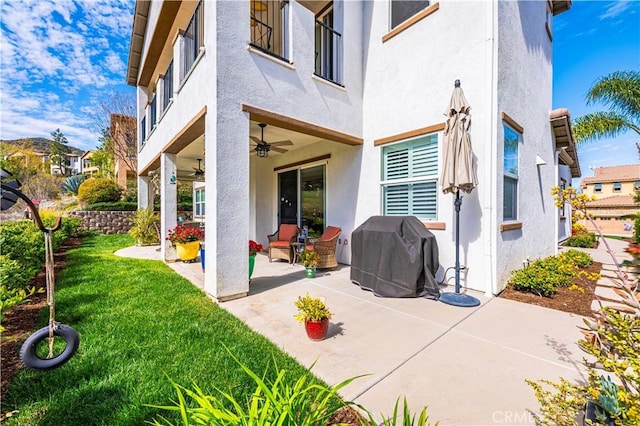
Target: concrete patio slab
[[468, 365]]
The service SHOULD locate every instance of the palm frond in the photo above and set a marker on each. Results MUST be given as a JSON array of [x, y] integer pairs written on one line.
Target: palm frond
[[601, 125], [620, 91]]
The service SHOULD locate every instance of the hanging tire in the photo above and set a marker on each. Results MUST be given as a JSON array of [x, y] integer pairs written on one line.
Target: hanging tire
[[28, 354]]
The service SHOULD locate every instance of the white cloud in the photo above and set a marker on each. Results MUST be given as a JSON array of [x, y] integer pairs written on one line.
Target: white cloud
[[615, 9]]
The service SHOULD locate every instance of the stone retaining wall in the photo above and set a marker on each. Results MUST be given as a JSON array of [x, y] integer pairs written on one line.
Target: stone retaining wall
[[105, 222]]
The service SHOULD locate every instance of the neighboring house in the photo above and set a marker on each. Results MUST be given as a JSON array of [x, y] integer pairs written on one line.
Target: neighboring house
[[88, 168], [359, 89], [614, 188], [123, 131], [73, 164]]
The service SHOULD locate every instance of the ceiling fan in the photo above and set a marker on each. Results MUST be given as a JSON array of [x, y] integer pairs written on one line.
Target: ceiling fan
[[198, 172], [262, 148]]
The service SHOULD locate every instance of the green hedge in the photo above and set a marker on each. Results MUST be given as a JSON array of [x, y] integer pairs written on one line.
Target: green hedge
[[636, 231], [112, 206], [582, 239], [22, 248], [99, 190]]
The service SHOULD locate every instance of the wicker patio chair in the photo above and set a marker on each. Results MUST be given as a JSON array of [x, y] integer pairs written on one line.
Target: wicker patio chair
[[326, 247], [280, 242]]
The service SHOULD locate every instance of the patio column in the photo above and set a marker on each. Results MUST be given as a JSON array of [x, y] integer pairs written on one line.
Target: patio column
[[168, 199], [145, 192], [227, 201]]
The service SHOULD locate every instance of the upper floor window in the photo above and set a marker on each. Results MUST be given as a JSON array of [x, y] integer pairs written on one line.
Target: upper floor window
[[617, 186], [269, 26], [410, 178], [636, 185], [153, 112], [143, 131], [193, 39], [597, 187], [167, 86], [512, 141], [328, 52], [401, 10]]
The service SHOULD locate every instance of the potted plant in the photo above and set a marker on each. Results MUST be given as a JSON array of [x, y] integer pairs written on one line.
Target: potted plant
[[314, 314], [254, 248], [186, 240], [310, 259]]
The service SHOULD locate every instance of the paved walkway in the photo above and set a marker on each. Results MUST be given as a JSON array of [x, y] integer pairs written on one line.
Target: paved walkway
[[468, 365]]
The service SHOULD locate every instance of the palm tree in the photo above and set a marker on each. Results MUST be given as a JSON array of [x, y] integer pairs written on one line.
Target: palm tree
[[620, 92]]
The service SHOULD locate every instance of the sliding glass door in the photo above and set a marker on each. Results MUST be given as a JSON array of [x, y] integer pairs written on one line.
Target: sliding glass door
[[301, 195]]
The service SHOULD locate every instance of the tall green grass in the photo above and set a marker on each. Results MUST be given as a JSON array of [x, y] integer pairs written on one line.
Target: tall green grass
[[140, 325]]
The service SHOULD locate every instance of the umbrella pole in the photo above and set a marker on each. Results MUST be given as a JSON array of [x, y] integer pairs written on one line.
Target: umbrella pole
[[457, 298]]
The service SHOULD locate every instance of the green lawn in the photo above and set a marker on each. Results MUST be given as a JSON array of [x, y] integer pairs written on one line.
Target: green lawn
[[140, 324]]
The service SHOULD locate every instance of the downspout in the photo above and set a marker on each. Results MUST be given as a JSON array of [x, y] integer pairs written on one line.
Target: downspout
[[491, 135]]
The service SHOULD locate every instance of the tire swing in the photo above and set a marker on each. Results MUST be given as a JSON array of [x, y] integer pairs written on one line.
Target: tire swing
[[29, 354]]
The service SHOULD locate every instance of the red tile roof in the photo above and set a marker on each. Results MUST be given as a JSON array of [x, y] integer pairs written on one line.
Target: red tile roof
[[614, 174], [615, 201]]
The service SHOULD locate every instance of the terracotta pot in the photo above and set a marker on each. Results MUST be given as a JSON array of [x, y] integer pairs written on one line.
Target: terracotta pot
[[317, 330], [188, 251]]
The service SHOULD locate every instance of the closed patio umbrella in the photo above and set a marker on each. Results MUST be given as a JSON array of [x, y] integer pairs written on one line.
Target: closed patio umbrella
[[458, 174]]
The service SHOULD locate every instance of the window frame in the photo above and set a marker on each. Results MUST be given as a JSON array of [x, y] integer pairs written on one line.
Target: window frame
[[199, 202], [433, 142], [511, 176], [399, 23], [617, 186], [597, 187]]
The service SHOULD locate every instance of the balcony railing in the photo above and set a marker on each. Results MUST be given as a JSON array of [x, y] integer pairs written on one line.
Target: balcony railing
[[269, 27], [328, 53], [193, 40]]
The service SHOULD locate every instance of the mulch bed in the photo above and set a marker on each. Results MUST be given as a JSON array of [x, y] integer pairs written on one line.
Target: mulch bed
[[573, 301], [23, 319]]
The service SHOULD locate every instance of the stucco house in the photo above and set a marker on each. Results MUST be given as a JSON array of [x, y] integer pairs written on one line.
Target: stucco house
[[352, 94], [614, 188]]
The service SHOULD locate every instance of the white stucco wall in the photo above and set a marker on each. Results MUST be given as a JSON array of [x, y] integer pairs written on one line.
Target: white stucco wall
[[499, 51], [524, 93], [409, 80]]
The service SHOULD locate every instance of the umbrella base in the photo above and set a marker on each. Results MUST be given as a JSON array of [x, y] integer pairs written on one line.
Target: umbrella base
[[459, 299]]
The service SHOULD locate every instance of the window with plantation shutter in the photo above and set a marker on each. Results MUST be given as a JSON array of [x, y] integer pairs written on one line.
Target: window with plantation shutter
[[410, 178]]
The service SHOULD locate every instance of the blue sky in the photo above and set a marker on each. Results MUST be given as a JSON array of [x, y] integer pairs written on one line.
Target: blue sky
[[59, 58], [593, 39]]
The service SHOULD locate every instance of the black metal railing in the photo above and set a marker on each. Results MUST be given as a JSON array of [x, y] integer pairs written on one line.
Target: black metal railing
[[269, 26], [167, 86], [328, 53], [193, 39]]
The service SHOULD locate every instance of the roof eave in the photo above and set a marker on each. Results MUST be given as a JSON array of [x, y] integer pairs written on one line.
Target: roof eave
[[560, 6], [136, 43], [561, 125]]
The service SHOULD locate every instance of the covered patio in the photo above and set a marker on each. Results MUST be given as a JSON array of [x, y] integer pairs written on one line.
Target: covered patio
[[467, 364]]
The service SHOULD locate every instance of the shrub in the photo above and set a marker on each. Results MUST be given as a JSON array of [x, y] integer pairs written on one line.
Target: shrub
[[12, 274], [576, 257], [99, 190], [116, 206], [636, 229], [144, 230], [583, 239], [578, 228]]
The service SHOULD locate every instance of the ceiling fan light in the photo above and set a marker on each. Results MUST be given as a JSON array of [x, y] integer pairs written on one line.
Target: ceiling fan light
[[262, 150]]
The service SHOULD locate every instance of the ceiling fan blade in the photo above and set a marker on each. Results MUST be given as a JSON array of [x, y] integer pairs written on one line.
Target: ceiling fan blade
[[280, 150], [281, 143], [255, 139]]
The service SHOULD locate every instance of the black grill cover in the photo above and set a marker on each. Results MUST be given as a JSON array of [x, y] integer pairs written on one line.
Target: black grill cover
[[395, 256]]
